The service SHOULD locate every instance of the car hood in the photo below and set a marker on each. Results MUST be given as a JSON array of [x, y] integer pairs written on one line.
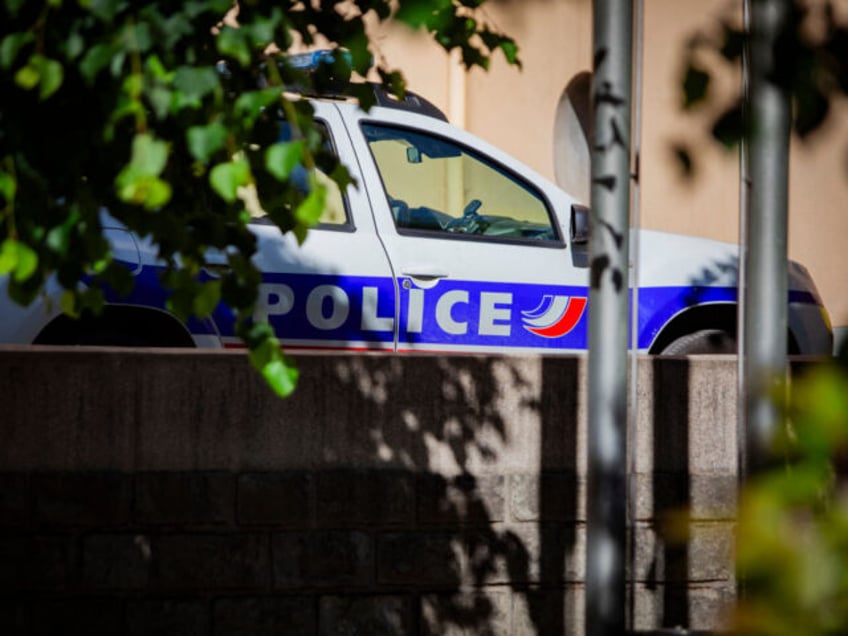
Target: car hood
[[673, 259]]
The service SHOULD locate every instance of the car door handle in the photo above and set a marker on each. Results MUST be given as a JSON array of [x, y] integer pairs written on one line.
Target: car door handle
[[215, 270], [423, 273]]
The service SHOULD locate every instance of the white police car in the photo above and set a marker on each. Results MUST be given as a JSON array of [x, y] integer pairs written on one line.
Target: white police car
[[446, 244]]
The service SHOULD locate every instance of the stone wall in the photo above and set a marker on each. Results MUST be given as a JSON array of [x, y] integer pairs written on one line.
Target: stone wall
[[162, 492]]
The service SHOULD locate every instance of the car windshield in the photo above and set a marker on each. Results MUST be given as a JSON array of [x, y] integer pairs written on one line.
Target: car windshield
[[437, 186]]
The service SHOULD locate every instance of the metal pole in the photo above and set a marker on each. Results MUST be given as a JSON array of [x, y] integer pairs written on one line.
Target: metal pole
[[766, 289], [608, 302], [744, 207], [638, 51]]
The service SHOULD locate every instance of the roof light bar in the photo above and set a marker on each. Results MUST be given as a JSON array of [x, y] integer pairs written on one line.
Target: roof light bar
[[311, 61]]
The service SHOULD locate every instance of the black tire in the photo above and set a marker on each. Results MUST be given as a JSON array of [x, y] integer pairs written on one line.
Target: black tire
[[106, 338], [117, 326], [705, 341]]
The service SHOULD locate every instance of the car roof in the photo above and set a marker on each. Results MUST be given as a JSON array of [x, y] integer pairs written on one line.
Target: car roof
[[411, 102]]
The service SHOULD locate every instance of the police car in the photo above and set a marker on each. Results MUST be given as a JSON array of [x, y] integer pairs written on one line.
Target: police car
[[446, 244]]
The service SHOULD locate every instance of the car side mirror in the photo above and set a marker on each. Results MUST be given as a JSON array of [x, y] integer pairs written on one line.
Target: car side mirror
[[579, 226]]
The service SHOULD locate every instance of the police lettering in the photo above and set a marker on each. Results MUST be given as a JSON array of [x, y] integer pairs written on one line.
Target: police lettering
[[328, 307]]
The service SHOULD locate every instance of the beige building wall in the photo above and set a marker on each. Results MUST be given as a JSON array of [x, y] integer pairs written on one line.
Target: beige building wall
[[516, 111]]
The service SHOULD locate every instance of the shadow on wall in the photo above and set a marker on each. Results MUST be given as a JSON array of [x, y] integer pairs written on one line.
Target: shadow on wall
[[669, 569], [388, 495], [493, 451]]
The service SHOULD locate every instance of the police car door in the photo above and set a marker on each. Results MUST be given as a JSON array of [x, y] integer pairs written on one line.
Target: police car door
[[336, 289], [473, 237]]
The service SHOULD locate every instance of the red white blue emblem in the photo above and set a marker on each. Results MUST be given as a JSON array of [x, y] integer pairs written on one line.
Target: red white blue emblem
[[555, 316]]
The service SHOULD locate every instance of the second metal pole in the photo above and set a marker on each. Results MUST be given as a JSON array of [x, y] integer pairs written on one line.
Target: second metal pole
[[608, 315], [766, 287]]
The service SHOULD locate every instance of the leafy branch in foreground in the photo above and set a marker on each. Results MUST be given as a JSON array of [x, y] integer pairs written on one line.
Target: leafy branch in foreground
[[793, 519], [811, 64], [167, 115]]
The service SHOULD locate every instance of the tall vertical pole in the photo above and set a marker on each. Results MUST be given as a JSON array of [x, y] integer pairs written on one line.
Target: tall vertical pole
[[608, 303], [744, 208], [766, 288], [635, 246]]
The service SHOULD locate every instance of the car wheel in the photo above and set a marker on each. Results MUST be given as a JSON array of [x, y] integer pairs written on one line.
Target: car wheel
[[705, 341], [113, 339], [117, 327]]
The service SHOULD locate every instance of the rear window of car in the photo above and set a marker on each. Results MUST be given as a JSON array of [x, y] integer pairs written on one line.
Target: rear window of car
[[335, 214]]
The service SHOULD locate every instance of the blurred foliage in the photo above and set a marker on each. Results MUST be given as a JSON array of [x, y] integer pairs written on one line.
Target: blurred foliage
[[792, 538], [793, 519], [811, 64], [168, 116]]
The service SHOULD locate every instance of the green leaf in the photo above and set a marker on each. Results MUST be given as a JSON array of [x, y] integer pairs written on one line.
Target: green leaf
[[394, 82], [278, 372], [149, 155], [363, 93], [360, 56], [280, 376], [145, 190], [153, 65], [27, 77], [251, 103], [309, 212], [8, 186], [418, 13], [8, 256], [262, 29], [133, 85], [342, 177], [68, 303], [13, 6], [196, 82], [125, 108], [116, 64], [18, 259], [139, 181], [106, 10], [52, 75], [233, 43], [283, 157], [161, 99], [11, 45], [95, 60], [75, 45], [205, 141], [91, 298], [207, 298], [510, 51], [59, 237], [136, 37], [227, 178]]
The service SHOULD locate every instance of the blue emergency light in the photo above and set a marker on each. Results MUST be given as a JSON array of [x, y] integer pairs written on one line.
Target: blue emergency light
[[311, 61]]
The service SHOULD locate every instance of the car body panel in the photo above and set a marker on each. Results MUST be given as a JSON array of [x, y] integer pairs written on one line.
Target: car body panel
[[450, 276]]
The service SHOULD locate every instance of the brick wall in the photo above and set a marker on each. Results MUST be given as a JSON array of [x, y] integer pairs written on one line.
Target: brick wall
[[164, 493]]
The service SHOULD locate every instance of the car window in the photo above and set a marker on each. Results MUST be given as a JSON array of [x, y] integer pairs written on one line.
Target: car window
[[335, 214], [440, 188]]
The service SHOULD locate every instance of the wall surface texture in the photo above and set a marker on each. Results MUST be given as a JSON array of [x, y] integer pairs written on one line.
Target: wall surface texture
[[161, 492]]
